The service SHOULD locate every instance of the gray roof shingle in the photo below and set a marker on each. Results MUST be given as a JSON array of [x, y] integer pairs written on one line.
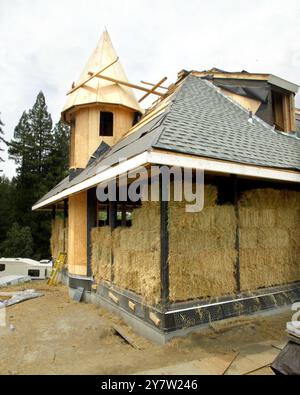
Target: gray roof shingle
[[201, 121], [204, 122]]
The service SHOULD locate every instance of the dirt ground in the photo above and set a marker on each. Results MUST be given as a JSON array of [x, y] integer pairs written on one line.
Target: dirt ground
[[56, 335]]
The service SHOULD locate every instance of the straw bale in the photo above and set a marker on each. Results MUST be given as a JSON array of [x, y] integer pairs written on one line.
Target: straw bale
[[130, 257], [57, 243], [263, 268], [269, 238], [101, 253], [202, 274], [202, 251]]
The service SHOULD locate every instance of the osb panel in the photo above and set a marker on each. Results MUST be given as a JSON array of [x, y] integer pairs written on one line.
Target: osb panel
[[86, 132], [202, 249], [130, 257], [77, 234], [269, 238]]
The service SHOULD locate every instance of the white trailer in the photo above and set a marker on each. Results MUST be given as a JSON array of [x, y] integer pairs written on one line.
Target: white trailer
[[25, 267]]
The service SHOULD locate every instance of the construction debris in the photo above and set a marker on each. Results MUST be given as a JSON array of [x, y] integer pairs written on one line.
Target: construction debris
[[19, 297], [288, 361], [13, 280], [253, 358], [127, 336]]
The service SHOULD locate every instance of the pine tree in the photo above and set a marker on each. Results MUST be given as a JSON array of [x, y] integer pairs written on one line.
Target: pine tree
[[6, 207], [1, 139], [31, 149], [18, 242], [59, 155]]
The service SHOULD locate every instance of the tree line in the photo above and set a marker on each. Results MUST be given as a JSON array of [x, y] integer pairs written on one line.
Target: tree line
[[40, 152]]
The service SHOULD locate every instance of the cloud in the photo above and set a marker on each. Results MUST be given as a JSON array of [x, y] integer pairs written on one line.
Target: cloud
[[44, 45]]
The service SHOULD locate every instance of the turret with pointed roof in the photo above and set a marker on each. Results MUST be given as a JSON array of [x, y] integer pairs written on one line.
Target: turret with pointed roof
[[97, 109], [98, 90]]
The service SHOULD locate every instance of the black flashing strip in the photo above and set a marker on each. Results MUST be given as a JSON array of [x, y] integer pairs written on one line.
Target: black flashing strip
[[91, 223], [65, 221], [164, 243], [113, 215], [237, 235], [190, 314]]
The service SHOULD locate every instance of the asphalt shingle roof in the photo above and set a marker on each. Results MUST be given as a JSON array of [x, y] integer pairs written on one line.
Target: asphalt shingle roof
[[201, 121], [204, 122]]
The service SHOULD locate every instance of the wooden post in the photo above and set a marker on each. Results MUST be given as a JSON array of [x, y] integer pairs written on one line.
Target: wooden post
[[65, 221], [91, 223], [65, 211], [53, 211], [113, 215], [164, 244], [237, 235]]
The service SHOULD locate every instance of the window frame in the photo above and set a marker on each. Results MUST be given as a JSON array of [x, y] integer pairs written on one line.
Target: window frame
[[106, 124]]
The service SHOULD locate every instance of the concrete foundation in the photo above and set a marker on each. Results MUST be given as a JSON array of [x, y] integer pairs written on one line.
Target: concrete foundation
[[160, 325]]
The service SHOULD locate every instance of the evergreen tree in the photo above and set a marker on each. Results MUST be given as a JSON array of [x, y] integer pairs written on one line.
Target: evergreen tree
[[1, 140], [59, 155], [18, 242], [6, 207], [30, 149]]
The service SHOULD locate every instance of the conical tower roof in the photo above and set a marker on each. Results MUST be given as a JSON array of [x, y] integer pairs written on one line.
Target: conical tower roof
[[98, 90]]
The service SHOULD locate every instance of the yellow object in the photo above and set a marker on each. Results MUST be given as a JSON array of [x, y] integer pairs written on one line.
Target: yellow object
[[57, 268]]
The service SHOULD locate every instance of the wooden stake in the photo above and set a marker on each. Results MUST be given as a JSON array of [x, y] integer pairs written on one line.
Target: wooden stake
[[153, 89], [92, 75]]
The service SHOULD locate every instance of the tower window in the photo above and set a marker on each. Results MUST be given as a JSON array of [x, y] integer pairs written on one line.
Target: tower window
[[106, 123]]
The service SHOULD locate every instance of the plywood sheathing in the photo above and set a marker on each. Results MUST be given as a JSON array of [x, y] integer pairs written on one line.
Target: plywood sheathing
[[77, 239], [202, 251], [130, 257], [99, 90], [59, 237], [86, 131], [247, 102], [269, 238]]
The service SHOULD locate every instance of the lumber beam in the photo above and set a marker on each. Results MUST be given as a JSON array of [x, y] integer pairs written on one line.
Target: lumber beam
[[153, 89], [92, 75], [150, 84], [125, 83]]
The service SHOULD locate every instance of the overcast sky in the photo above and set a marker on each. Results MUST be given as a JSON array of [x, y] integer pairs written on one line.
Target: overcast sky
[[45, 44]]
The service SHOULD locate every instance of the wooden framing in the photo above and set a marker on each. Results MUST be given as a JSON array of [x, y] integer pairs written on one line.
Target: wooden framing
[[180, 160], [149, 83], [272, 79], [152, 90], [92, 75], [77, 238], [129, 85]]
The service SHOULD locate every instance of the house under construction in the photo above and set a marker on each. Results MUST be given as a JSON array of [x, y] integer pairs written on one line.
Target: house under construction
[[166, 270]]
